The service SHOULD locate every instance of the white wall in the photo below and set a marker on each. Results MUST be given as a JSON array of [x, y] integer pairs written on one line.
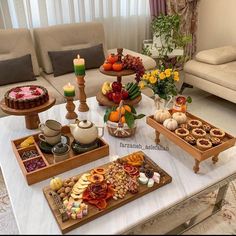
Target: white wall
[[216, 23]]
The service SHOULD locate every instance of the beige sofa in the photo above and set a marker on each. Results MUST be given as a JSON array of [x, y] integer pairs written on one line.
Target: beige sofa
[[214, 71], [18, 42]]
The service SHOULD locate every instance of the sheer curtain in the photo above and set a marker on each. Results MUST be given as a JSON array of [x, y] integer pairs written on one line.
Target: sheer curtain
[[126, 22]]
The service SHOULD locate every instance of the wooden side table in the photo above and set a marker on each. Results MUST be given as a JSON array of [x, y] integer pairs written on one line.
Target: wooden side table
[[31, 115]]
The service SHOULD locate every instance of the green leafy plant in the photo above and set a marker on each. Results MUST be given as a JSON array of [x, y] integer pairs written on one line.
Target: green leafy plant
[[167, 29]]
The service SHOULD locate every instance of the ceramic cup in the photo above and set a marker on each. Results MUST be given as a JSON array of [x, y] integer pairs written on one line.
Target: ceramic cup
[[52, 140], [50, 127]]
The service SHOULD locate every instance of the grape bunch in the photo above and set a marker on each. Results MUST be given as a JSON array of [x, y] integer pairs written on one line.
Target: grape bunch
[[134, 63]]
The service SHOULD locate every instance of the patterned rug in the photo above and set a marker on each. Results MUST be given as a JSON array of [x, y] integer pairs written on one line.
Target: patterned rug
[[224, 222]]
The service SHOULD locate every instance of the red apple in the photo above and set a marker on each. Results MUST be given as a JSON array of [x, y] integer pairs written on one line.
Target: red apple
[[109, 95], [125, 94], [116, 86], [116, 97]]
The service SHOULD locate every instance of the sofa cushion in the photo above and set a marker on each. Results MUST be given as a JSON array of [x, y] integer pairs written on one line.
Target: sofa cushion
[[224, 74], [16, 70], [62, 61], [16, 43], [39, 81], [67, 37], [148, 62], [217, 56]]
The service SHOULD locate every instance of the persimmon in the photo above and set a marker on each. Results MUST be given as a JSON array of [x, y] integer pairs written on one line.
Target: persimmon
[[121, 110], [117, 66], [112, 58], [114, 116], [107, 66], [122, 120], [127, 108]]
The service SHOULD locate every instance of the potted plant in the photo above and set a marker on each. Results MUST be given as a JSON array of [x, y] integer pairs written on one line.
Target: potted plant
[[168, 40]]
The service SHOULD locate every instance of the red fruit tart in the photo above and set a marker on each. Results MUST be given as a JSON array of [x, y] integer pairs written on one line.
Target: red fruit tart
[[26, 97], [194, 124], [217, 133], [204, 144], [182, 132], [198, 133]]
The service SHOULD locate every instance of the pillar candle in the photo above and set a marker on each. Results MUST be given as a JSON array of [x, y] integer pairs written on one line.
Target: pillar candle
[[69, 90], [79, 66]]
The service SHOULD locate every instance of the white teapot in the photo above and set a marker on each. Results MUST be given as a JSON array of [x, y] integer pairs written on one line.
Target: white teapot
[[85, 132]]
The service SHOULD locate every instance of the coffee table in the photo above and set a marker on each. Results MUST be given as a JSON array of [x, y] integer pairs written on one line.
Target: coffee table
[[32, 212]]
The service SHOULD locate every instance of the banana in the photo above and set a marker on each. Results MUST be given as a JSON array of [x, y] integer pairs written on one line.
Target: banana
[[106, 87]]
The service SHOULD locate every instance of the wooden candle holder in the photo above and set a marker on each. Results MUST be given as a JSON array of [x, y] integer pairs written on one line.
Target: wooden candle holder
[[70, 106], [83, 107]]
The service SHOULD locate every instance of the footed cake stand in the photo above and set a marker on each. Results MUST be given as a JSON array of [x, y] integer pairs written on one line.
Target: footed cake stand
[[31, 115], [104, 101]]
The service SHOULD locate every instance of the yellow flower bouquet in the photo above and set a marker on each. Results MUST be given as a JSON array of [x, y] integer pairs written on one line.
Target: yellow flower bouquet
[[162, 82]]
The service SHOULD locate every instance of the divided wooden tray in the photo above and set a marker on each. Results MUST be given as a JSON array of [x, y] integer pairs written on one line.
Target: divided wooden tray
[[199, 155], [51, 169], [93, 212]]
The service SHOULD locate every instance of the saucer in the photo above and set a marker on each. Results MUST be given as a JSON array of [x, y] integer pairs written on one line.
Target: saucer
[[47, 148], [79, 148]]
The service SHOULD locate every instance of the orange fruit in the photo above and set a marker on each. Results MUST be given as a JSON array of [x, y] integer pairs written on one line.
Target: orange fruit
[[114, 116], [127, 108], [122, 110], [122, 120]]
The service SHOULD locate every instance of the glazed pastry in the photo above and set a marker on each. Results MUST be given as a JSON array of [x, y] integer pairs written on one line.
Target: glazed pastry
[[194, 124], [190, 139], [206, 127], [215, 141], [182, 132], [198, 133], [217, 133], [185, 126], [204, 144]]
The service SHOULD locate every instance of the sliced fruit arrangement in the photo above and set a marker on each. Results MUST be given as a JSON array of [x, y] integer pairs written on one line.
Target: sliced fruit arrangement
[[133, 90], [125, 114], [135, 159]]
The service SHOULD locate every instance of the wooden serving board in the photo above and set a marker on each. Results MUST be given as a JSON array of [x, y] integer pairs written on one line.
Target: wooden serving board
[[93, 212], [51, 169], [199, 155]]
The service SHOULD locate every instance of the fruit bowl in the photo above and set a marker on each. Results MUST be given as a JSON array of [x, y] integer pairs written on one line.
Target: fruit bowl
[[124, 132]]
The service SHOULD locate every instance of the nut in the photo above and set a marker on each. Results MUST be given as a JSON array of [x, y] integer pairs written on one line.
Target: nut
[[67, 190], [62, 195]]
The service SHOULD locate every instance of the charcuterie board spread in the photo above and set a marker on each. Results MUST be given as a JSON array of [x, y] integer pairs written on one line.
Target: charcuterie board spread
[[82, 198]]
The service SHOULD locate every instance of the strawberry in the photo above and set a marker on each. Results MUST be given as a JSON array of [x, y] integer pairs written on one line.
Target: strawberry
[[35, 92], [19, 95], [17, 90]]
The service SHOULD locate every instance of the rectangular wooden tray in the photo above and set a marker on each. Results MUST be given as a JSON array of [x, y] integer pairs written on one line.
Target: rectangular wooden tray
[[93, 212], [51, 169], [199, 155]]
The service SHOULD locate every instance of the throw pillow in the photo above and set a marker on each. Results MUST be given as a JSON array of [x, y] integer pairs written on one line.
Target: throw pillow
[[16, 70], [62, 61]]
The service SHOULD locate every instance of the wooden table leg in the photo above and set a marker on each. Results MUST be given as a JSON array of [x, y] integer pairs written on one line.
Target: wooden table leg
[[32, 121], [157, 140], [215, 159], [196, 168]]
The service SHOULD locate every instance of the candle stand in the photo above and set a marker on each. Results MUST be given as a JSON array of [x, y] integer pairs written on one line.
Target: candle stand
[[70, 106], [83, 107]]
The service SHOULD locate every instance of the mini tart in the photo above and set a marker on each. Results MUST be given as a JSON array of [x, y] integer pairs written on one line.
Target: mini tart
[[185, 126], [215, 141], [206, 127], [190, 139], [194, 124], [198, 133], [204, 144], [182, 132], [217, 133]]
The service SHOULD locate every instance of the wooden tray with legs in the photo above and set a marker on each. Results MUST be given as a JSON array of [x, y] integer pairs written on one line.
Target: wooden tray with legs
[[51, 168], [112, 204], [199, 155]]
